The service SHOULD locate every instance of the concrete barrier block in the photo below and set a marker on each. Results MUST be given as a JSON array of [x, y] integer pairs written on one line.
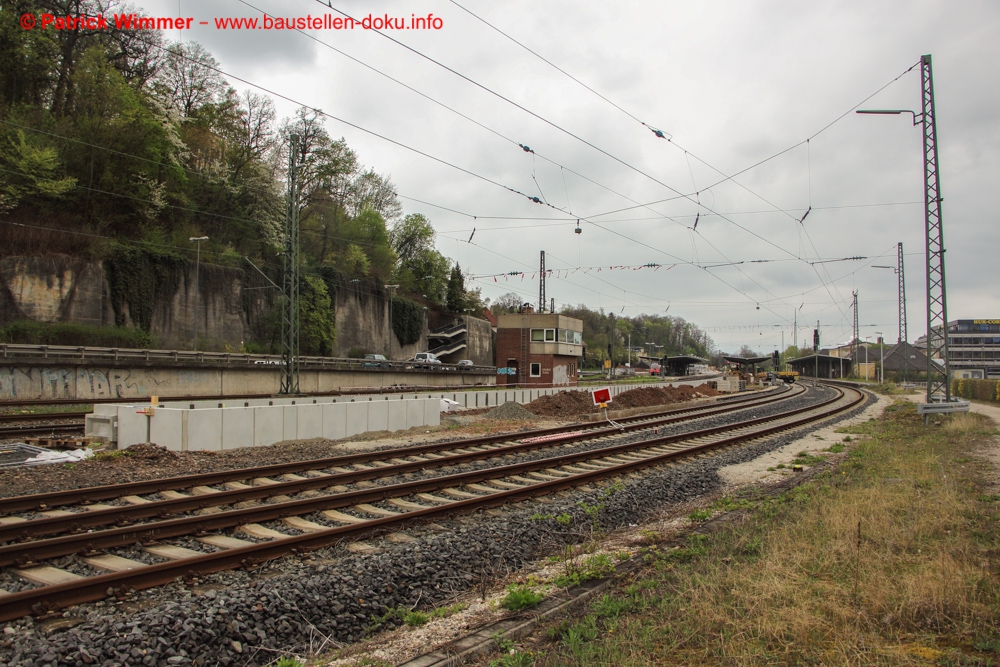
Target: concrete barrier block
[[204, 430], [415, 413], [310, 421], [268, 425], [334, 421], [357, 417], [432, 412], [378, 415], [237, 427], [289, 422], [166, 428], [131, 427], [397, 415]]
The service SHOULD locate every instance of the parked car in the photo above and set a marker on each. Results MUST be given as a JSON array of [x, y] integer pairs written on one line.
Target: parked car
[[465, 363], [425, 358], [376, 360]]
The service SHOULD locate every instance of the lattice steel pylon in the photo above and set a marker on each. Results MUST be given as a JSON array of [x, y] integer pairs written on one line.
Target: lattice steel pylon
[[901, 343], [855, 335], [541, 283], [290, 283], [937, 304]]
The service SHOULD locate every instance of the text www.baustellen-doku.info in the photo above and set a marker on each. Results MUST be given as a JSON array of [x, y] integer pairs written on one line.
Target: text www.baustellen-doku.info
[[267, 22]]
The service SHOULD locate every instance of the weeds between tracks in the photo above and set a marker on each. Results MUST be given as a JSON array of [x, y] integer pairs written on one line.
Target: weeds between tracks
[[892, 558]]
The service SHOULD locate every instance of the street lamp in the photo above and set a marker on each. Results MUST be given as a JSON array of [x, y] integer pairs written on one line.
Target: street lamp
[[881, 348], [391, 287], [197, 268]]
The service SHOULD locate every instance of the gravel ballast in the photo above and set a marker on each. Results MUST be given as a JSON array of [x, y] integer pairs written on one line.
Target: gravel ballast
[[288, 605]]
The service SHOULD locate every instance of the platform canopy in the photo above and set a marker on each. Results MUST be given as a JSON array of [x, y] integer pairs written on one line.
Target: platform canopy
[[747, 361], [828, 366], [678, 365]]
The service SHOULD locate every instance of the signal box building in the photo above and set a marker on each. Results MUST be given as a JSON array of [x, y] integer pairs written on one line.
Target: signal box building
[[538, 349]]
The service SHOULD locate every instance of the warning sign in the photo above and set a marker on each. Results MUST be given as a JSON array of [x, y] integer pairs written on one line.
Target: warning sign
[[601, 396], [607, 363]]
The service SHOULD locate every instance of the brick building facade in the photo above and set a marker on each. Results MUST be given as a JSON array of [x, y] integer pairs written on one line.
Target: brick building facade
[[538, 349]]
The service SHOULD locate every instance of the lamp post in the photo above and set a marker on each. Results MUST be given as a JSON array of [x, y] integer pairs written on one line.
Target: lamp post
[[391, 287], [197, 268], [881, 364], [938, 379]]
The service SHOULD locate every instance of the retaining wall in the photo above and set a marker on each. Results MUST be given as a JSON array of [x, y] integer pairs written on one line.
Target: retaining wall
[[218, 425]]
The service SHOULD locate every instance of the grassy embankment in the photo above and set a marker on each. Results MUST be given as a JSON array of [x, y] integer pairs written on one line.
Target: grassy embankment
[[892, 559]]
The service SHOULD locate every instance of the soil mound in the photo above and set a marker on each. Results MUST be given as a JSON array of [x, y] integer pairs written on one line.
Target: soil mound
[[570, 403], [509, 410]]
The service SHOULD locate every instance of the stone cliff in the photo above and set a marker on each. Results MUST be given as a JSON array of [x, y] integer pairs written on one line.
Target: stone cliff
[[61, 288]]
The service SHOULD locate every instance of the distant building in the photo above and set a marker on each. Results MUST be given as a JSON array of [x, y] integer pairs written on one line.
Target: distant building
[[973, 348], [538, 349]]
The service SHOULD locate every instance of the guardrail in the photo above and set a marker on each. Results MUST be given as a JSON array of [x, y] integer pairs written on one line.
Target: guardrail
[[58, 353]]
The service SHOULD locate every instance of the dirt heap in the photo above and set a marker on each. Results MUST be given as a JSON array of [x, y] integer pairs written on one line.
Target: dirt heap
[[509, 410], [570, 403]]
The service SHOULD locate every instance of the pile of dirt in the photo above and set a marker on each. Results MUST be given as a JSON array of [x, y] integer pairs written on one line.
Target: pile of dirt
[[150, 452], [509, 410], [562, 404], [569, 403]]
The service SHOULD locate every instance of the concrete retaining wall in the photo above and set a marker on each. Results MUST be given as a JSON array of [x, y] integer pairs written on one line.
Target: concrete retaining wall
[[218, 425], [214, 429]]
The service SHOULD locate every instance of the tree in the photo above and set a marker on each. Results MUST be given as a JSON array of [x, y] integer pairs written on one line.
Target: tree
[[456, 290], [507, 303], [410, 237], [371, 190], [188, 78], [317, 322], [31, 172]]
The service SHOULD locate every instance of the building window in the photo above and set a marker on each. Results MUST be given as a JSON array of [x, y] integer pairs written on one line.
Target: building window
[[536, 370], [550, 335], [537, 335]]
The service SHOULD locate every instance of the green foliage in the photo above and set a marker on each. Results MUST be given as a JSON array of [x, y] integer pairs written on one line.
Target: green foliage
[[29, 172], [316, 318], [592, 567], [136, 277], [60, 333], [669, 335], [520, 597], [456, 290], [982, 390], [407, 320], [289, 662]]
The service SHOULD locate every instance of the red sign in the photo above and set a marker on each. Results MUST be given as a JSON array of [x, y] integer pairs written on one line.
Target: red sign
[[602, 396]]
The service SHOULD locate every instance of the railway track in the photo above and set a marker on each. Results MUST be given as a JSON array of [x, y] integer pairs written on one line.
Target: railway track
[[335, 499], [12, 432]]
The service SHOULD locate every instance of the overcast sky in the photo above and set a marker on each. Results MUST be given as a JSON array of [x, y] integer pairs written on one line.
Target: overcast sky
[[732, 82]]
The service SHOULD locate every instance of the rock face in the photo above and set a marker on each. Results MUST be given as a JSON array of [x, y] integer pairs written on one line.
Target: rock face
[[61, 288]]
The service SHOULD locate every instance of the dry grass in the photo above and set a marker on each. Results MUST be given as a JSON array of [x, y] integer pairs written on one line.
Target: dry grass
[[891, 560]]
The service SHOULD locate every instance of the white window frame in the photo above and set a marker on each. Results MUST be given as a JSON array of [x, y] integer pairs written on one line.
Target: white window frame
[[532, 367], [550, 335], [541, 336]]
